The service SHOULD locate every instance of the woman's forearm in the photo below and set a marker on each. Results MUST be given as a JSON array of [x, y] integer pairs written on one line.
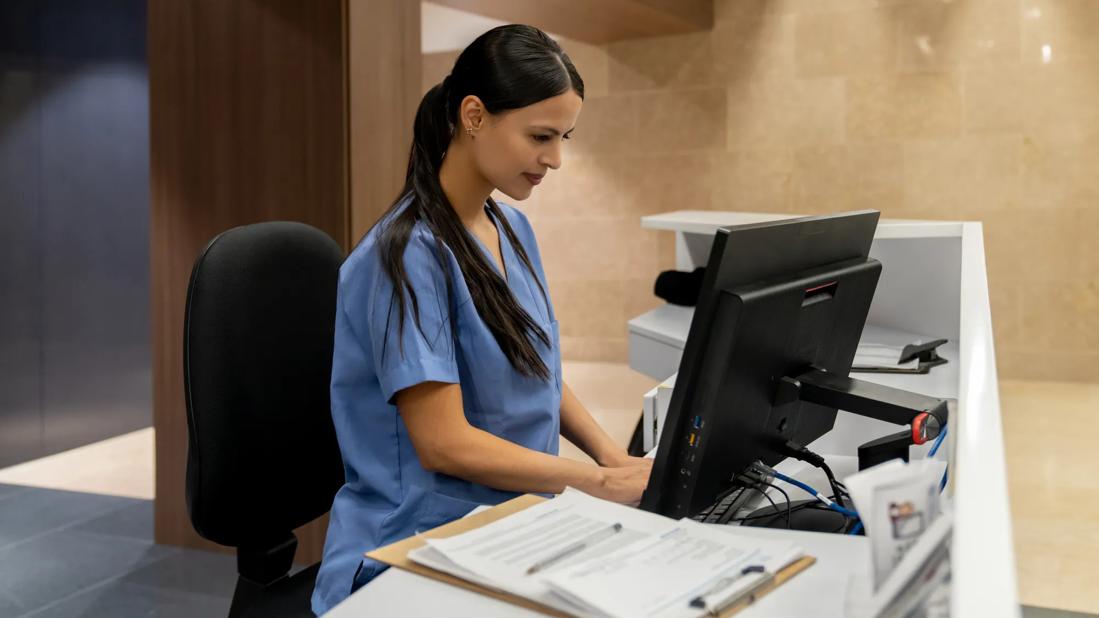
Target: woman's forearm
[[480, 457], [445, 442]]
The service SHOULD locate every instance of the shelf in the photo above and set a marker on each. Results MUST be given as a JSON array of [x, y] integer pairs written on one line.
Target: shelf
[[708, 221], [671, 324], [667, 324]]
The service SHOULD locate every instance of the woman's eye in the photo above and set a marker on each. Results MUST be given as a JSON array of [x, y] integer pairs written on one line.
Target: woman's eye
[[542, 138]]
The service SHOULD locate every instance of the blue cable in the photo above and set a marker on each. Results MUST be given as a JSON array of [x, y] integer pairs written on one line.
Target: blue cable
[[816, 494], [938, 442], [935, 449], [857, 528]]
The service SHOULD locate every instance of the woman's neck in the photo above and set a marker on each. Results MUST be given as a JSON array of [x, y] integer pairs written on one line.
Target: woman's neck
[[466, 189]]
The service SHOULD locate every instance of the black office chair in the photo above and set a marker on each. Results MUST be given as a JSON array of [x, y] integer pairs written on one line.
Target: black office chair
[[262, 456]]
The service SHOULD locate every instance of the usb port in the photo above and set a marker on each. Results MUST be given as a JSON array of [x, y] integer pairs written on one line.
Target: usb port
[[698, 421]]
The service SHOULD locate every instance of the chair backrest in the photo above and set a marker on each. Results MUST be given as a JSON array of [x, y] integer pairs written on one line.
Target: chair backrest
[[262, 455]]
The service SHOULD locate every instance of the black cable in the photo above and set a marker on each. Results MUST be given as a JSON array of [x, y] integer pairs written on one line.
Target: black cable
[[843, 488], [769, 499], [833, 482], [804, 505], [797, 451], [784, 495], [727, 517], [807, 504]]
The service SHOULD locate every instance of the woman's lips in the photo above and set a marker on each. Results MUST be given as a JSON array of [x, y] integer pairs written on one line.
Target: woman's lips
[[533, 178]]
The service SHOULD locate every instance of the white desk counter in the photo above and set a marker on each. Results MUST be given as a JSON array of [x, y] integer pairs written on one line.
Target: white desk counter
[[933, 283]]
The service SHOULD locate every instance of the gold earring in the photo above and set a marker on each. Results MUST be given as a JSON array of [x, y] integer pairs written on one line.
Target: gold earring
[[469, 131]]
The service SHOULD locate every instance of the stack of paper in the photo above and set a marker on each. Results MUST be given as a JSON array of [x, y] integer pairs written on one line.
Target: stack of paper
[[898, 501], [882, 355], [882, 349], [655, 411], [590, 557]]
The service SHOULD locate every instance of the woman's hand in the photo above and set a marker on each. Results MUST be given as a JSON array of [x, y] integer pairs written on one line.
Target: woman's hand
[[624, 484]]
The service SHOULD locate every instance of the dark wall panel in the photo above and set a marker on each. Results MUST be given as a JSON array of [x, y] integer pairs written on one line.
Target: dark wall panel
[[75, 145], [20, 266], [95, 224]]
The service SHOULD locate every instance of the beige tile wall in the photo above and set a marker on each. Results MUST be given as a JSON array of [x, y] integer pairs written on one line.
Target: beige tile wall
[[956, 109]]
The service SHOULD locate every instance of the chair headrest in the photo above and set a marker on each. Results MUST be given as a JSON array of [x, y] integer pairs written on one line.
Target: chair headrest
[[262, 453]]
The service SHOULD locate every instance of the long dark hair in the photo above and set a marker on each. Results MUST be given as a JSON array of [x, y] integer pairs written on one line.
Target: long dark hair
[[508, 67]]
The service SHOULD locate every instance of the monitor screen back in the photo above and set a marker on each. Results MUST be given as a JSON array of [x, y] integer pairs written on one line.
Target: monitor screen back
[[762, 314]]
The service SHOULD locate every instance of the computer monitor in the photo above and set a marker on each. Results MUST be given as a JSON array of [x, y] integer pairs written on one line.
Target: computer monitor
[[778, 299]]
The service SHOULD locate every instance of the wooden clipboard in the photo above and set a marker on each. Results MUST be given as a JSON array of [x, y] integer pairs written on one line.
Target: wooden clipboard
[[396, 554]]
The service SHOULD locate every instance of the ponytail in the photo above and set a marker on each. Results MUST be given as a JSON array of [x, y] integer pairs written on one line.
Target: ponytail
[[507, 67]]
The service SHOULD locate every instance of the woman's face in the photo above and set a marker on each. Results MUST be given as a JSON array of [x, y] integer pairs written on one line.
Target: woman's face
[[513, 150]]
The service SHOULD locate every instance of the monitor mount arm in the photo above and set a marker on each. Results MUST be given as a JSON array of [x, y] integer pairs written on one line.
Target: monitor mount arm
[[926, 416]]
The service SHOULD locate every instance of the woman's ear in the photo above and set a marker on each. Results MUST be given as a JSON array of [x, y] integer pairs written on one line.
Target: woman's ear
[[471, 114]]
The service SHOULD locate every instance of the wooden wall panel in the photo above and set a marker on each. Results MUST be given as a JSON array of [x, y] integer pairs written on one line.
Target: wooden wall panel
[[384, 90], [247, 124]]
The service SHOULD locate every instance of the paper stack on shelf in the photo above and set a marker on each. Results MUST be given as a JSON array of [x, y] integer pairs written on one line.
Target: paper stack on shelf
[[883, 350], [882, 356]]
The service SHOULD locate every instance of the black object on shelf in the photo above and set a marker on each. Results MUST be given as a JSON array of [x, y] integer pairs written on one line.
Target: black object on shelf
[[926, 353], [678, 287]]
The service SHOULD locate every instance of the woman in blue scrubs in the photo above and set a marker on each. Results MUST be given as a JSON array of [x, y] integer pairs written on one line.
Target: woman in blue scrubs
[[446, 373]]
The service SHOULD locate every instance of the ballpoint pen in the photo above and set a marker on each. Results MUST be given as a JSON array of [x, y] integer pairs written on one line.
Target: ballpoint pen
[[579, 546], [714, 602]]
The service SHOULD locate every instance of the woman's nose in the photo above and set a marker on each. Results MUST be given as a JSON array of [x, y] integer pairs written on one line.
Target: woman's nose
[[551, 158]]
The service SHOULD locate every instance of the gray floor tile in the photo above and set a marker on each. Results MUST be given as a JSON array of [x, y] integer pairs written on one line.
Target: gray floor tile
[[36, 511], [9, 606], [119, 599], [1045, 612], [135, 522], [190, 570], [7, 491], [58, 564]]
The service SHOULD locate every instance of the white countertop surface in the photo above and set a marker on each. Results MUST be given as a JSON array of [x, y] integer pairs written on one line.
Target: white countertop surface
[[708, 221]]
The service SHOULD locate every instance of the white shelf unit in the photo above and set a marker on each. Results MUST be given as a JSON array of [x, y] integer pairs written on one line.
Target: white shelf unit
[[933, 283]]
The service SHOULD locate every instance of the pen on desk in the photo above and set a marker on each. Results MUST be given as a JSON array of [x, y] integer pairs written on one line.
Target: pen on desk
[[579, 546], [714, 603]]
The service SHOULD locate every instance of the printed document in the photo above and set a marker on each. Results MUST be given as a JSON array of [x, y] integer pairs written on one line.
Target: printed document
[[598, 558]]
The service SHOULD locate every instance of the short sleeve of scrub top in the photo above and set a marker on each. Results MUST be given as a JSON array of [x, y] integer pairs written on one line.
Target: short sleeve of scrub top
[[388, 495]]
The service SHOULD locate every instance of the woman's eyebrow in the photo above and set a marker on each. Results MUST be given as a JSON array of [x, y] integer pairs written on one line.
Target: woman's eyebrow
[[553, 130]]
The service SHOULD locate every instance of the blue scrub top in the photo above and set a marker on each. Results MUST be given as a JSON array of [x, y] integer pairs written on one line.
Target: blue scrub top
[[388, 495]]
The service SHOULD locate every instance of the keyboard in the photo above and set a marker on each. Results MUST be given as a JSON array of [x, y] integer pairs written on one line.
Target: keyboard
[[713, 513]]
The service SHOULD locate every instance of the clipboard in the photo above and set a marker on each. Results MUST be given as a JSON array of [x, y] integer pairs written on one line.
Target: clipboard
[[926, 354], [396, 555]]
